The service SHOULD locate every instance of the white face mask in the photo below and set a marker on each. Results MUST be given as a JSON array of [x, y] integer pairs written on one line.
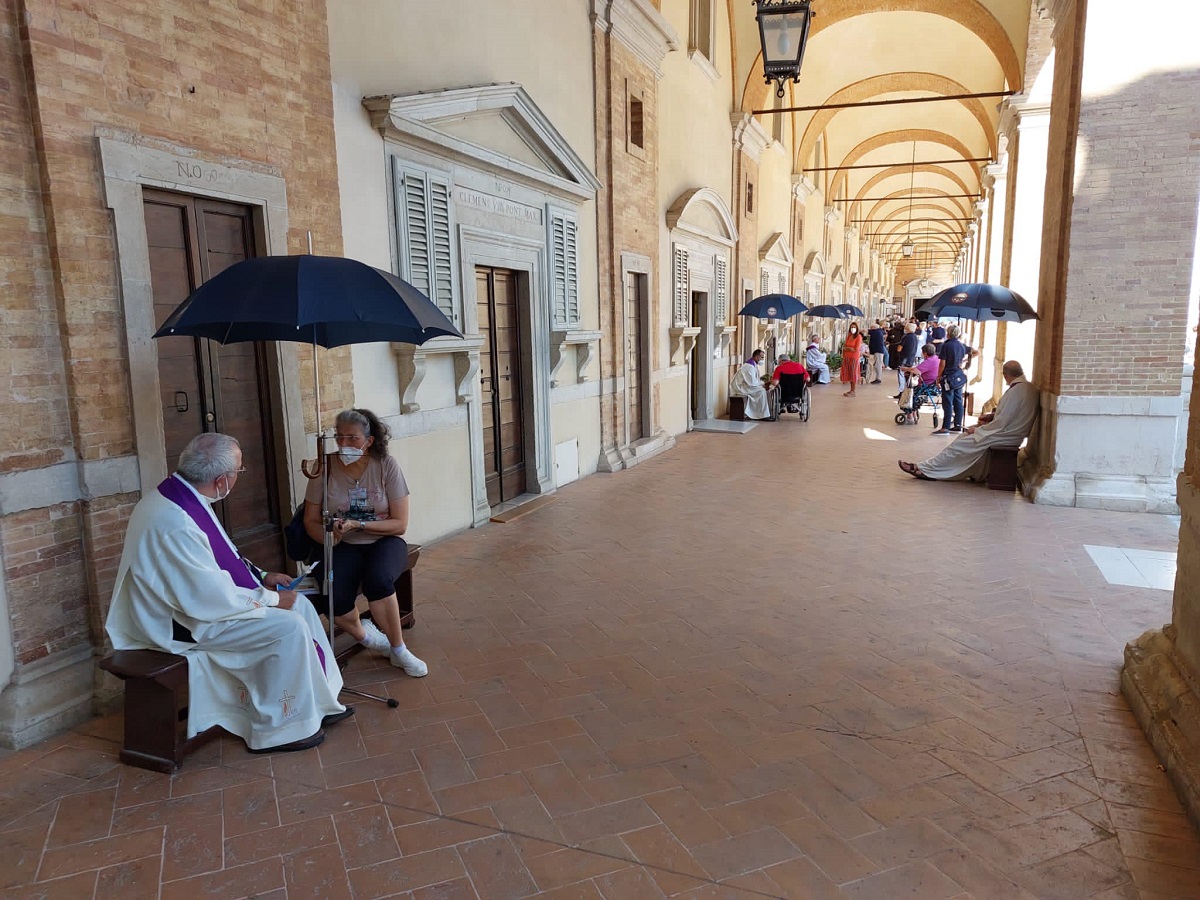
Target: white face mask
[[350, 455], [217, 499]]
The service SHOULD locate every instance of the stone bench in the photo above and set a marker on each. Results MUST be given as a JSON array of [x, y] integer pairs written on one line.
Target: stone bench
[[1002, 468], [156, 692]]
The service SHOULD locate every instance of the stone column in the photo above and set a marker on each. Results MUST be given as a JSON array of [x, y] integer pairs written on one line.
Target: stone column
[[1027, 122], [995, 186], [1117, 255]]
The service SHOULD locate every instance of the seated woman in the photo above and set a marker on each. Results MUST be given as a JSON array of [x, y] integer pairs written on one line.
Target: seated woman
[[369, 498], [927, 368]]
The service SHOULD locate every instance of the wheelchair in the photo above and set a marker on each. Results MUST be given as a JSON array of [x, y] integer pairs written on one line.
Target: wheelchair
[[793, 391]]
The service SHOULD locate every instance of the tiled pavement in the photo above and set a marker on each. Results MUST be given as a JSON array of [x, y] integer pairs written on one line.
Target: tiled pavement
[[762, 665]]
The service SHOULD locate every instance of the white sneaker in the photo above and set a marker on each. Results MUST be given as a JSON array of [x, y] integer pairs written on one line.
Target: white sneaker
[[374, 639], [404, 659]]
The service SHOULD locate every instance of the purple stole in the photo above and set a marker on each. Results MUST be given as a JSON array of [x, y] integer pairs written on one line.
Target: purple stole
[[227, 560]]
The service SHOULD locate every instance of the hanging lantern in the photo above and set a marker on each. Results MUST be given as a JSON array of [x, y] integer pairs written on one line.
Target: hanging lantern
[[783, 31]]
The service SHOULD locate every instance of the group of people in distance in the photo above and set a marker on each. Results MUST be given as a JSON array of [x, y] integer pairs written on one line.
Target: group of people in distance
[[259, 662], [932, 352]]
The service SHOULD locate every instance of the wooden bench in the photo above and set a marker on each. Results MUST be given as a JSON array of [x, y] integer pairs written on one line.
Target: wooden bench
[[1002, 469], [737, 409], [156, 692]]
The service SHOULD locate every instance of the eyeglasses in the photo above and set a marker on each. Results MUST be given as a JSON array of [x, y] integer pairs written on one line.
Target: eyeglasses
[[238, 471], [350, 438]]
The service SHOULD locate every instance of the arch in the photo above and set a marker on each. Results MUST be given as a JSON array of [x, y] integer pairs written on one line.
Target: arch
[[893, 83], [970, 14], [703, 213], [956, 207], [815, 264], [904, 170], [904, 136]]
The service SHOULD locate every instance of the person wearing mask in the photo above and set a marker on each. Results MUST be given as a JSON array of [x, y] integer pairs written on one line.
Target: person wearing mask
[[852, 350], [814, 360], [259, 663], [937, 333], [748, 384], [369, 498], [788, 366], [954, 356], [877, 346]]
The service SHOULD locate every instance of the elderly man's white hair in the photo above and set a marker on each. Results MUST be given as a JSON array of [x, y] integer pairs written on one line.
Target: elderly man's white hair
[[207, 457], [783, 357]]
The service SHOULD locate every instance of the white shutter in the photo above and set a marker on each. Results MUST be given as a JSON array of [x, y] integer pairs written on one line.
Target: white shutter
[[721, 291], [764, 282], [416, 232], [564, 252], [443, 263], [426, 230], [782, 283], [682, 298]]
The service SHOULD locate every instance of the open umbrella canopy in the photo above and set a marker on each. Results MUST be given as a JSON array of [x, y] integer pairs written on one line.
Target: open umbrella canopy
[[825, 311], [773, 306], [850, 309], [981, 302], [322, 300]]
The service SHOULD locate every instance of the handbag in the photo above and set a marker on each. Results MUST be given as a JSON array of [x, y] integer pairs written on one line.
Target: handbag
[[297, 544]]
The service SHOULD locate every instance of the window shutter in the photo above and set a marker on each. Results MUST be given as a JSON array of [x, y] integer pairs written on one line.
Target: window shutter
[[764, 282], [416, 232], [682, 300], [564, 249], [443, 264], [721, 291], [426, 237], [782, 283]]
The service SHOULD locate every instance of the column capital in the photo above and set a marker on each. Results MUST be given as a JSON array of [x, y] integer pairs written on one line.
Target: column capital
[[802, 188]]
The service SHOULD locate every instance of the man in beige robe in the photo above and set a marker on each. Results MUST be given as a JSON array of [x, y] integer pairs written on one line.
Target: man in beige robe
[[967, 457]]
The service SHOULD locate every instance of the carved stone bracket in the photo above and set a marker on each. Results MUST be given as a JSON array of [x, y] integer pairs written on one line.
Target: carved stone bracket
[[724, 337], [412, 363], [585, 341], [683, 342]]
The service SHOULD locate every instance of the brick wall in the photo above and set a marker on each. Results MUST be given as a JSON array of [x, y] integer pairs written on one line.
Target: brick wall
[[229, 81], [628, 212]]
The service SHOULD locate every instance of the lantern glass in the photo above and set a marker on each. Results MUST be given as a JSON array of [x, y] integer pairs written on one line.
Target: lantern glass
[[783, 31], [907, 248]]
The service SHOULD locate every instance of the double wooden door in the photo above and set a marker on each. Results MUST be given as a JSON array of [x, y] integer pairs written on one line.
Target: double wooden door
[[205, 386], [502, 381]]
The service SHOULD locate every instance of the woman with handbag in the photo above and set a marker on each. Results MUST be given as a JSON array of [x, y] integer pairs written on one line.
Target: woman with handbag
[[954, 355]]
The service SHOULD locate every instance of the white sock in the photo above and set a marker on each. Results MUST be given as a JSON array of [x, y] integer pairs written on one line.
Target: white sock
[[398, 649]]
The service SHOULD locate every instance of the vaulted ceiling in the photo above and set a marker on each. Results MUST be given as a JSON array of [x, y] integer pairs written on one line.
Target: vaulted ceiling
[[870, 50]]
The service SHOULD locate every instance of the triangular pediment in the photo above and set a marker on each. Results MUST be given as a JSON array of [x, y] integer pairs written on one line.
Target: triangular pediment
[[496, 127], [839, 275], [776, 250]]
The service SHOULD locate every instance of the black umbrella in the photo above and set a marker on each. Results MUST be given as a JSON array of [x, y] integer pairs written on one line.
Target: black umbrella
[[850, 309], [773, 306], [825, 311], [321, 300], [981, 302]]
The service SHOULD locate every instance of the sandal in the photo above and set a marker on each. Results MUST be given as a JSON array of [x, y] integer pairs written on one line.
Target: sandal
[[911, 469]]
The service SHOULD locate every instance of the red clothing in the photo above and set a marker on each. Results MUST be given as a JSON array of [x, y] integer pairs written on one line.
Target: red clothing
[[791, 367], [851, 354]]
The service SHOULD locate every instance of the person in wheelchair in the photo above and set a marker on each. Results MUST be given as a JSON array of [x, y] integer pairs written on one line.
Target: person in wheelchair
[[369, 499], [792, 377]]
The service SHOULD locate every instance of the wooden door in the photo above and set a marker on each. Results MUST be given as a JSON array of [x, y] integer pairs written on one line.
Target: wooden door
[[633, 355], [500, 372], [205, 386]]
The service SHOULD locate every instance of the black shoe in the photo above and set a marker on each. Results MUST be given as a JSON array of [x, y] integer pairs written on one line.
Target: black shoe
[[334, 718], [897, 396], [876, 381], [956, 431], [941, 431], [306, 744]]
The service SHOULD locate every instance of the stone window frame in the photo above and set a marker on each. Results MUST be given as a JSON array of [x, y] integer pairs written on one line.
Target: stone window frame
[[702, 37], [635, 98]]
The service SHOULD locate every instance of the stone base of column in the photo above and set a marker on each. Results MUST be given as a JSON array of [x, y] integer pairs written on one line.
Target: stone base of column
[[1115, 453], [46, 697], [1166, 703], [617, 458]]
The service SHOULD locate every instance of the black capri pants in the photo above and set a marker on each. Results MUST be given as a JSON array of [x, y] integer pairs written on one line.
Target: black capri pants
[[367, 569]]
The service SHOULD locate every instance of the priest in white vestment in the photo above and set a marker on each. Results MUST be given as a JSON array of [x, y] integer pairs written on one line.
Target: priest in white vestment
[[748, 383], [259, 662], [967, 457], [814, 361]]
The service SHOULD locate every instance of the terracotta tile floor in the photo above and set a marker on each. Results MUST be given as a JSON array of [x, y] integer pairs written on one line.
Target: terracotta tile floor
[[761, 665]]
